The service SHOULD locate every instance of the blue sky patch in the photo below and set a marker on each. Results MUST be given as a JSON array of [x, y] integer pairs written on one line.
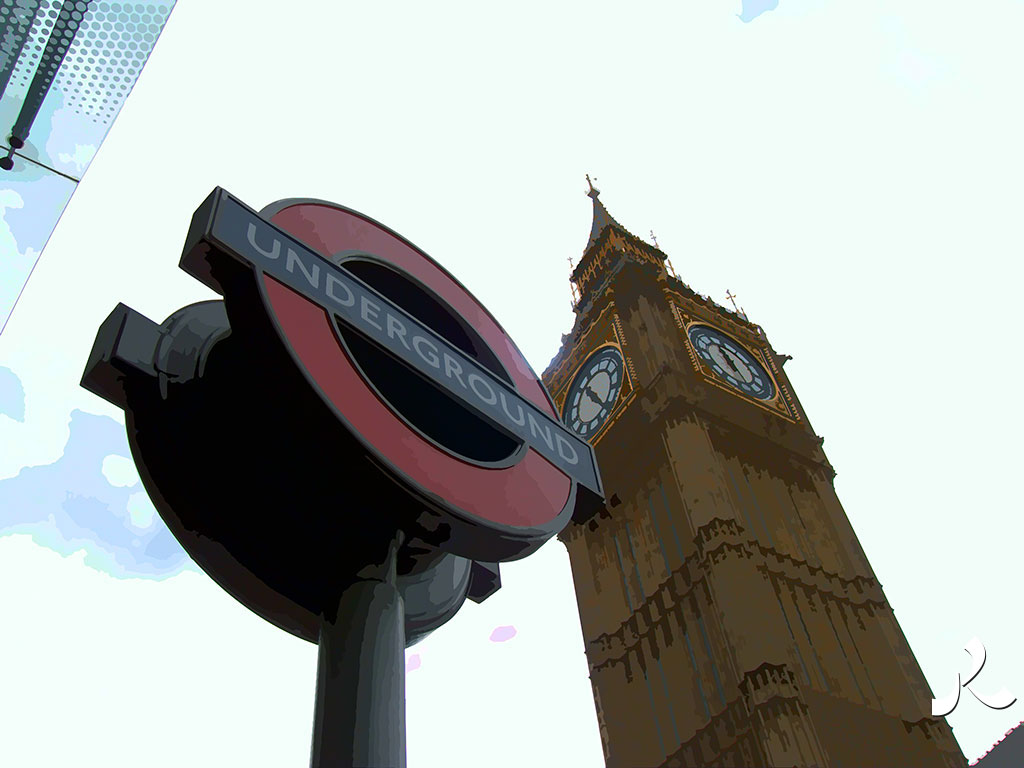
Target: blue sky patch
[[754, 8], [12, 395], [91, 498]]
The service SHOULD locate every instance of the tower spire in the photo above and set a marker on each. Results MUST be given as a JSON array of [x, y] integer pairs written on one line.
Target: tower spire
[[602, 218]]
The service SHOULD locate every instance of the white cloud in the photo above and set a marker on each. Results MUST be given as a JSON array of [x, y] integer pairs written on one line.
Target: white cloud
[[141, 510], [120, 471], [80, 158]]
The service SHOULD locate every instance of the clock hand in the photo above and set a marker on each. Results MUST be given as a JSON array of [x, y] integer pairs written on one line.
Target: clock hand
[[593, 395], [726, 362], [733, 369]]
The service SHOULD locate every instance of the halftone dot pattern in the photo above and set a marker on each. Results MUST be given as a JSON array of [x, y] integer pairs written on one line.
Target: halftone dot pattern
[[28, 62], [64, 26], [106, 55], [15, 20], [112, 45]]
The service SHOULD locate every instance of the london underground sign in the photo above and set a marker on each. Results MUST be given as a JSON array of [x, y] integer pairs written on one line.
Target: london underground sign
[[312, 262], [348, 443], [226, 224]]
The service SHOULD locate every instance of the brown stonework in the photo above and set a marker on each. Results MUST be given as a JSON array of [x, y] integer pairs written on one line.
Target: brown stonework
[[729, 613]]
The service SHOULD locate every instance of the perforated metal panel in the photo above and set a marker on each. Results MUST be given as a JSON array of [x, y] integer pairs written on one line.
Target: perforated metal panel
[[105, 55], [114, 42], [66, 68]]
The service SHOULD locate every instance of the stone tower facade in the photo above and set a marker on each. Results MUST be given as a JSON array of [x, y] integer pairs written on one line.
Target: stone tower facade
[[729, 614]]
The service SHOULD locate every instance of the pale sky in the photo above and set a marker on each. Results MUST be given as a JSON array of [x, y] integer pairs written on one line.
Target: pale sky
[[851, 171]]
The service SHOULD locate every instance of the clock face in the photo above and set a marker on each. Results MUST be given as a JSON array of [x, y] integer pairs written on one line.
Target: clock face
[[594, 392], [731, 362]]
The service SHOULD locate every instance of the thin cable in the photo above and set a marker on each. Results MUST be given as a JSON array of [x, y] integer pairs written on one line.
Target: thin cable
[[41, 165]]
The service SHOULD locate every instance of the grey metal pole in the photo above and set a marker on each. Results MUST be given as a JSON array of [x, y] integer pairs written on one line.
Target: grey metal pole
[[359, 721]]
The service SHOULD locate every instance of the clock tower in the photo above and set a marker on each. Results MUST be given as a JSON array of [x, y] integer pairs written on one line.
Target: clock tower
[[729, 614]]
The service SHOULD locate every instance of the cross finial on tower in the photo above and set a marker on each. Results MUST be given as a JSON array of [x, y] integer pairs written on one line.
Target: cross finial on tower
[[593, 191], [729, 295], [654, 238]]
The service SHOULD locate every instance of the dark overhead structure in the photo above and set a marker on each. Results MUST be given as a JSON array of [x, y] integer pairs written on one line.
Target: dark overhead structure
[[91, 50]]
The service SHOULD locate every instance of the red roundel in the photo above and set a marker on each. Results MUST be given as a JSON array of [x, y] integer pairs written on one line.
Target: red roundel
[[530, 499]]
